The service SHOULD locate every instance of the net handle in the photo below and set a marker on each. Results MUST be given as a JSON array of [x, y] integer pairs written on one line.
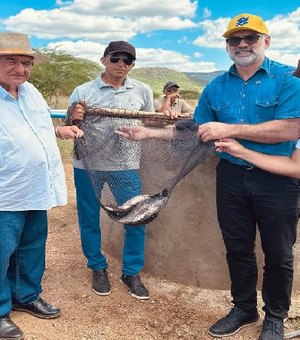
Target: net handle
[[133, 114]]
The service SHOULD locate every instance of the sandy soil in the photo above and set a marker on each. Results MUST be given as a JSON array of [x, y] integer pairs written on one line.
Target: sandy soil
[[173, 311]]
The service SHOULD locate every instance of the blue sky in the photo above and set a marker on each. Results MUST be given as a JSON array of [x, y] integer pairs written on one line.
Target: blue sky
[[185, 35]]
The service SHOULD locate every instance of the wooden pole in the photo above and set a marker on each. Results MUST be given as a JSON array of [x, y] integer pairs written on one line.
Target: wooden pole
[[133, 114]]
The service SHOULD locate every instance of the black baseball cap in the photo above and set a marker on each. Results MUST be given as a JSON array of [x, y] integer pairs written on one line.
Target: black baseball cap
[[120, 46], [170, 84]]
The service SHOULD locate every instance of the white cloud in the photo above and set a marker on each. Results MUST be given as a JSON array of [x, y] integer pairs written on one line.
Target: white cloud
[[206, 13], [103, 20], [213, 30], [146, 57], [287, 57], [136, 8], [198, 55]]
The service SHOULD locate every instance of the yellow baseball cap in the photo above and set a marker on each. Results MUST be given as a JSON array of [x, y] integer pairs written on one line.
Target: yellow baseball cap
[[246, 22]]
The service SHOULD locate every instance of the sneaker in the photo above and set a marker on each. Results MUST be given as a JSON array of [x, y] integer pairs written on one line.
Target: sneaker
[[136, 286], [272, 329], [101, 285], [233, 322]]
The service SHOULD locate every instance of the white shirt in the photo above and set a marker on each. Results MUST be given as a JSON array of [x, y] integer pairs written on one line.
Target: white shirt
[[31, 170]]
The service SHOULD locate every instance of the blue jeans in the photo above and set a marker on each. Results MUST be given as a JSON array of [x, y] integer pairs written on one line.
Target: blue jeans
[[124, 185], [22, 256], [247, 199]]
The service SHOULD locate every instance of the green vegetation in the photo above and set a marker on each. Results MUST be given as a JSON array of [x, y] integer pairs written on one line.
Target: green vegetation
[[156, 77], [57, 79], [61, 75]]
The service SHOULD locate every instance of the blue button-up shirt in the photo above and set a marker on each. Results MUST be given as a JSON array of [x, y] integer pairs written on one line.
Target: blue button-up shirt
[[31, 171], [270, 94]]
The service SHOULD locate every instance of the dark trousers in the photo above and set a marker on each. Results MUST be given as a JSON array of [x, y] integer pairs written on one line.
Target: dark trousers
[[247, 198]]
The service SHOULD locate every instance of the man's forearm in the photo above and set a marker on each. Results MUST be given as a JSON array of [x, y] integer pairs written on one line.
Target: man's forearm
[[275, 131]]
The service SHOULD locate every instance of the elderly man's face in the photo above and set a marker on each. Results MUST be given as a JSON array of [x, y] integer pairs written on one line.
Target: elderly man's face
[[248, 50], [14, 70]]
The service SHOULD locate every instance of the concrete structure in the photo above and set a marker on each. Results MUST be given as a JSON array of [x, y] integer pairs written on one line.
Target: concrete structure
[[184, 243]]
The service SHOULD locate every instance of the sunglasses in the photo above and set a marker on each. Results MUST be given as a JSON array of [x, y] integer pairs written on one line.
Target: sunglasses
[[115, 59], [249, 39], [172, 90]]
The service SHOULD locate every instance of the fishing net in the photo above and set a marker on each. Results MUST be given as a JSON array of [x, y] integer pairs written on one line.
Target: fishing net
[[133, 180]]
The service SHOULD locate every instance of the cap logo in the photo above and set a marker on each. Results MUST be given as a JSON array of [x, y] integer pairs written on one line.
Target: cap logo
[[242, 21]]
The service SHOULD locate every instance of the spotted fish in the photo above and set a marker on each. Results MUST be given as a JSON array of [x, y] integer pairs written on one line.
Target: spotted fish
[[138, 210]]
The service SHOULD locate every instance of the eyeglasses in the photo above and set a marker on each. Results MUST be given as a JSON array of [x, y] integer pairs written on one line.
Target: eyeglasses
[[249, 39], [115, 59]]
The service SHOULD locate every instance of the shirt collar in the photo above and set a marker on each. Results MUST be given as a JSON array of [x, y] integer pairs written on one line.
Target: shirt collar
[[4, 94], [265, 66], [128, 83]]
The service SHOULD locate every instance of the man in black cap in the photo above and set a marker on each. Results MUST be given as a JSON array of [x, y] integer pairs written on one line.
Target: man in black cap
[[170, 102], [117, 167]]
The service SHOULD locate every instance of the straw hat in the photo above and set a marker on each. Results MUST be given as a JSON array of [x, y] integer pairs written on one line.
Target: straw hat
[[18, 44]]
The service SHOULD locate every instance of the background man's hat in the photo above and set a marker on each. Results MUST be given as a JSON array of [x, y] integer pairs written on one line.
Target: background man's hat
[[121, 47], [246, 22], [170, 84], [18, 44]]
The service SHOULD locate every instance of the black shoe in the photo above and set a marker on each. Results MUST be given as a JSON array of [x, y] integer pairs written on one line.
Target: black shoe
[[272, 329], [40, 308], [136, 286], [101, 285], [9, 330], [233, 322]]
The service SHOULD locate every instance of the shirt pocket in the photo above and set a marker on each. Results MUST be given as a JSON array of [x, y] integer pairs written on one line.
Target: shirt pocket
[[265, 108], [223, 112]]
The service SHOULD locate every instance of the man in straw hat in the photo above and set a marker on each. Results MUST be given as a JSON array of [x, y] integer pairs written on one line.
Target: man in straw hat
[[31, 181], [256, 101]]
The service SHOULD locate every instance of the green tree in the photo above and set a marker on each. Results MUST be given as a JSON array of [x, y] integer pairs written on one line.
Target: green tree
[[62, 74]]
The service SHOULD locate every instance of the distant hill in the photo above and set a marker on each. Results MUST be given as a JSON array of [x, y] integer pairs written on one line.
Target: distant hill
[[156, 77], [202, 78]]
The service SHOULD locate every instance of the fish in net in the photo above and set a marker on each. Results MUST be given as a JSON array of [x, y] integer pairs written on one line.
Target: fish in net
[[133, 180]]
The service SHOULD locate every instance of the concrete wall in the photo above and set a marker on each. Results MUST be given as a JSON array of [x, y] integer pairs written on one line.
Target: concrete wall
[[184, 242]]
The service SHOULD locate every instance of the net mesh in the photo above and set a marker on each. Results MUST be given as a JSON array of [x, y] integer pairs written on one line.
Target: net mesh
[[133, 180]]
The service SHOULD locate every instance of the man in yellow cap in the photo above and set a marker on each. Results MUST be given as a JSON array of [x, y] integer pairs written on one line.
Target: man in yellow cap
[[257, 101]]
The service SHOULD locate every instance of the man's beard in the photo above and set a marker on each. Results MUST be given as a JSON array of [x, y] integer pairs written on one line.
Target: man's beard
[[253, 57]]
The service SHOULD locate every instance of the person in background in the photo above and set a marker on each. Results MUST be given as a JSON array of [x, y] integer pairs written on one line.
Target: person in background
[[171, 103], [112, 89], [257, 102], [31, 181]]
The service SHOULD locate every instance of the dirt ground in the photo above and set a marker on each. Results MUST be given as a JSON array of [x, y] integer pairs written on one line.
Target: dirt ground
[[173, 312]]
